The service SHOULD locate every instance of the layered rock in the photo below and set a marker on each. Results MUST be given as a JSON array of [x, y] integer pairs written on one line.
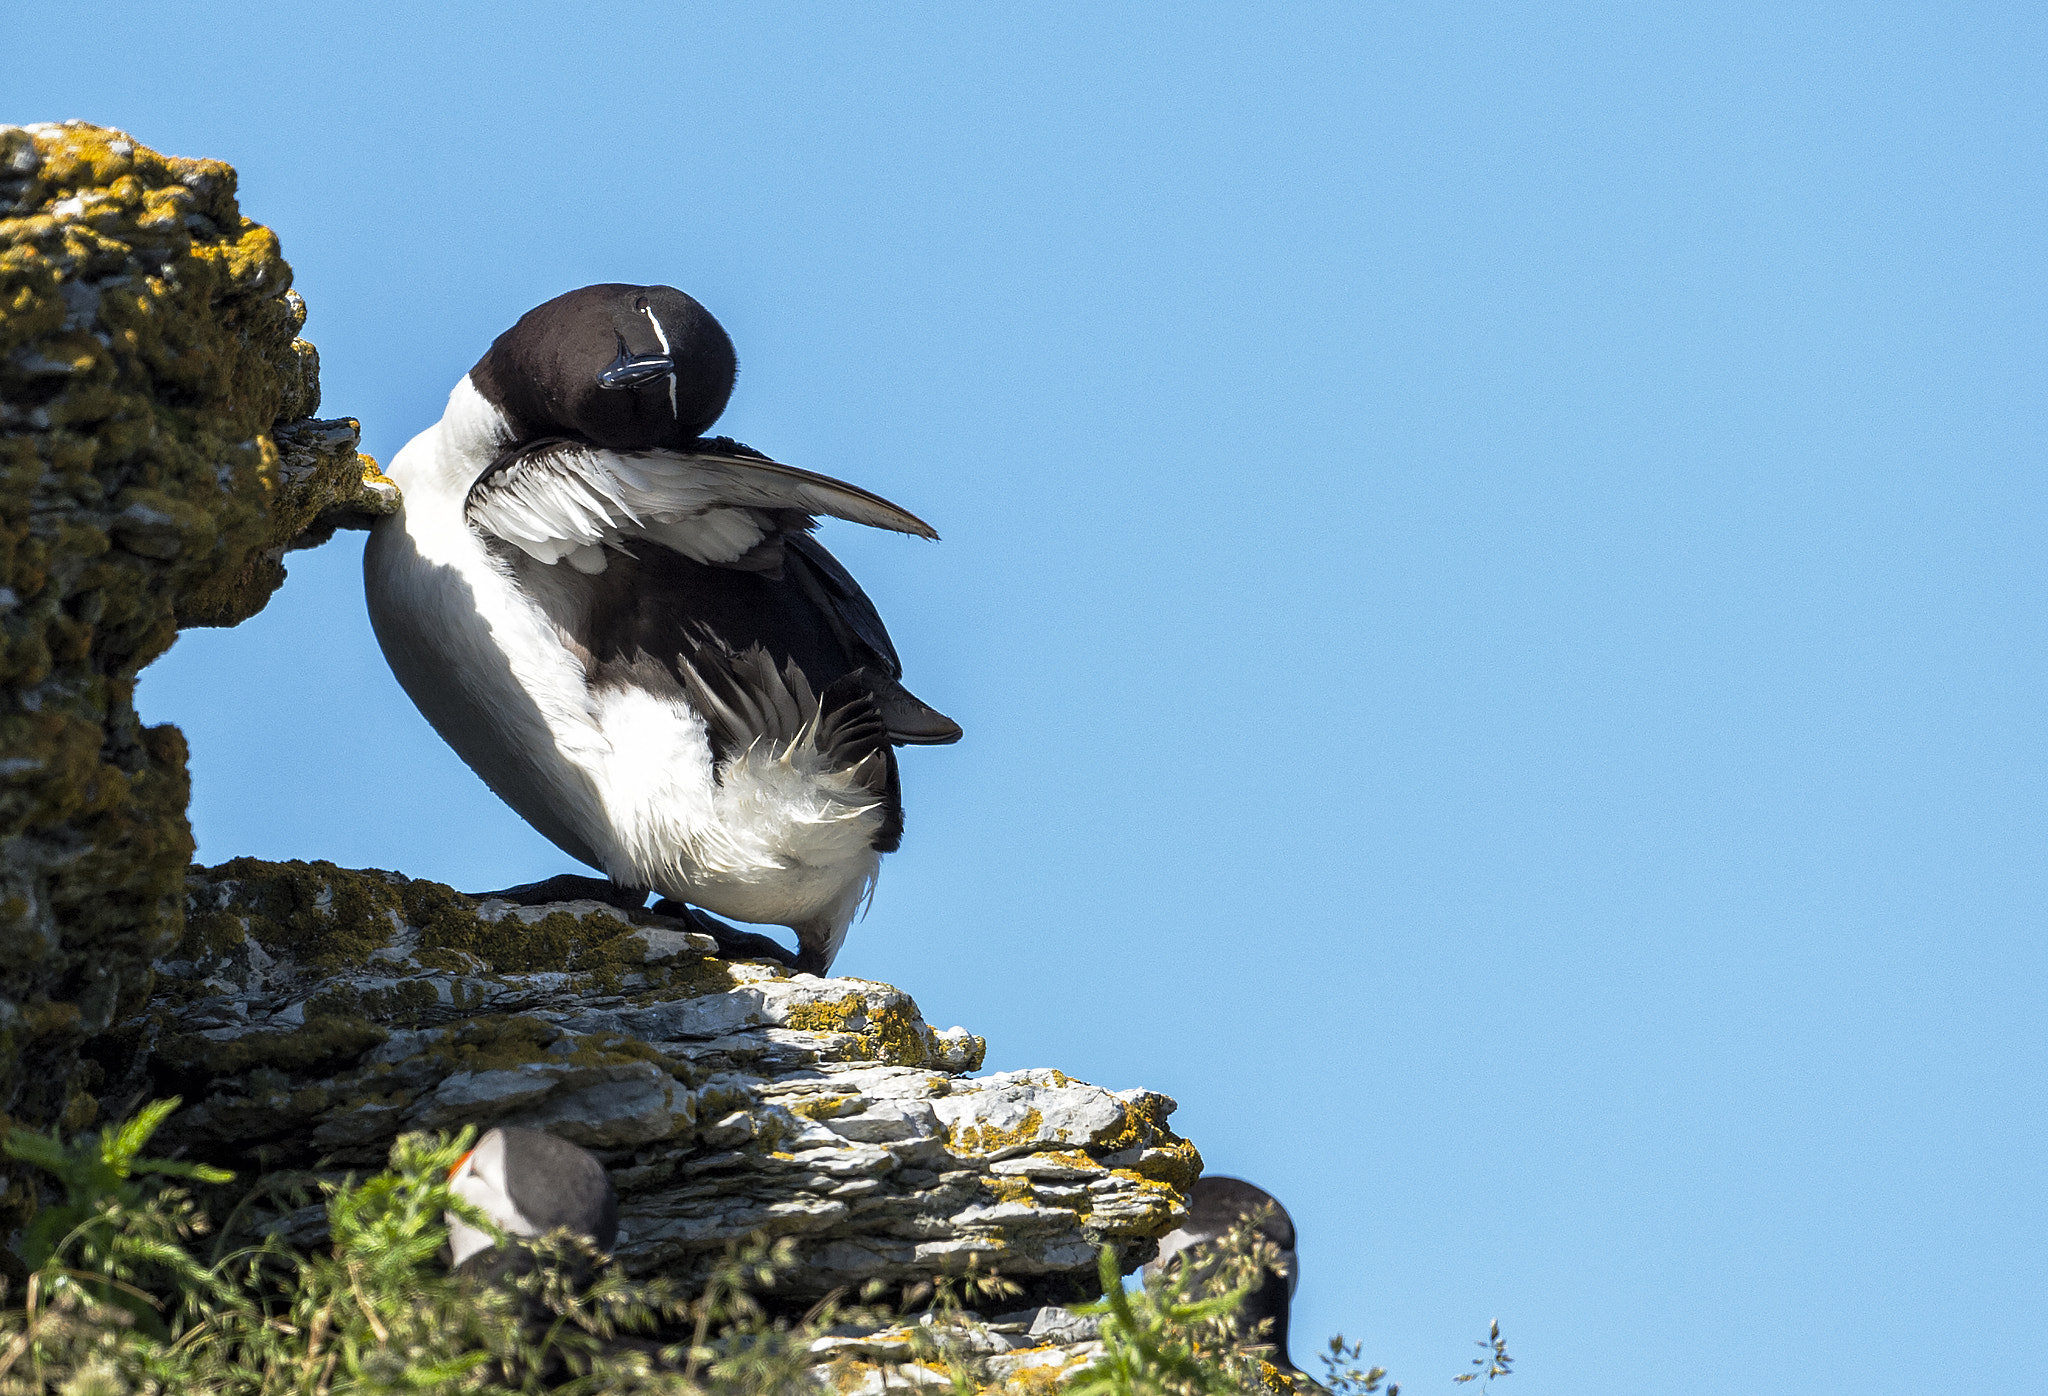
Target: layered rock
[[1031, 1350], [310, 1014], [158, 454]]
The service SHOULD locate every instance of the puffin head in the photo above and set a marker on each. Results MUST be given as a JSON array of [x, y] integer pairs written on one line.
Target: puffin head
[[530, 1183], [1215, 1205], [624, 367]]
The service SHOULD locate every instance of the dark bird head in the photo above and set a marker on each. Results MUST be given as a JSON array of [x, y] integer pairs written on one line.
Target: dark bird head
[[1215, 1205], [624, 367]]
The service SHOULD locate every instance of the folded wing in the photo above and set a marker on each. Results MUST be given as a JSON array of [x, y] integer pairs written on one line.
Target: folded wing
[[556, 499], [727, 508]]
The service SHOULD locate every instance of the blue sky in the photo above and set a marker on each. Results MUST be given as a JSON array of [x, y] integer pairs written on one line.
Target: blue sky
[[1492, 573]]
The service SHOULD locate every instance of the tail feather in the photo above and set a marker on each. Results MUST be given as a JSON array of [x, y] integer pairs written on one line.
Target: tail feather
[[749, 704]]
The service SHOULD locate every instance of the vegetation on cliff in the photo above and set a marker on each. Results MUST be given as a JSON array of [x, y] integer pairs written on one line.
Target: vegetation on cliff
[[132, 1291]]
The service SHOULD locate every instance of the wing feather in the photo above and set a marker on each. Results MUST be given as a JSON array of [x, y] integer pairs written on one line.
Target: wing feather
[[834, 591], [747, 702], [552, 497], [732, 512]]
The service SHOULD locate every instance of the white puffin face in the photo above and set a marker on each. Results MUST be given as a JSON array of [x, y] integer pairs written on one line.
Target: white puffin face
[[479, 1178], [1185, 1238], [1173, 1243]]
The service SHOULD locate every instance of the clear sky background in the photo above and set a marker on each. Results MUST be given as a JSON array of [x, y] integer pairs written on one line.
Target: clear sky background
[[1492, 572]]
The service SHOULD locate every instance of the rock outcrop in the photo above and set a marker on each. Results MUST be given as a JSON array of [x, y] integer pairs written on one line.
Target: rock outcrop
[[158, 455], [311, 1013]]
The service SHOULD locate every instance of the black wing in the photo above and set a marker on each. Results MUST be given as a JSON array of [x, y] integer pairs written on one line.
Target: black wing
[[858, 626]]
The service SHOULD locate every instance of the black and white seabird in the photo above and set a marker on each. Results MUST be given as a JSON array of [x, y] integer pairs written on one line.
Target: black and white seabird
[[1215, 1206], [627, 630], [531, 1183]]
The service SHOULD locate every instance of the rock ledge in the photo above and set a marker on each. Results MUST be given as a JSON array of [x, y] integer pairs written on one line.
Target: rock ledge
[[312, 1013]]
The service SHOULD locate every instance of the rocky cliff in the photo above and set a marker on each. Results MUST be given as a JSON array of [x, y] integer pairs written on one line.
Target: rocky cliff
[[158, 455]]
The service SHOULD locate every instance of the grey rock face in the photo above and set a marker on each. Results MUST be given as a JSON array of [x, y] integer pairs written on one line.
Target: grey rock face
[[313, 1013]]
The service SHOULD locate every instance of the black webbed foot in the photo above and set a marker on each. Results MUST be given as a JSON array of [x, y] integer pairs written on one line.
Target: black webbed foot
[[570, 887], [733, 943]]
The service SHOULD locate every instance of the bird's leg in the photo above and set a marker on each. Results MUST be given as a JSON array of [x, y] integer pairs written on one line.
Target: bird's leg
[[733, 943], [570, 887]]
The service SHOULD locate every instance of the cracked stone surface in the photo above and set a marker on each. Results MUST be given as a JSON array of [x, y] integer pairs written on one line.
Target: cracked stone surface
[[312, 1013]]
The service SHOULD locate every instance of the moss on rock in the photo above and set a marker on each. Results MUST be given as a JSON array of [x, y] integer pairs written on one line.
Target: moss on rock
[[158, 456], [317, 912], [310, 1013], [340, 918], [325, 1041]]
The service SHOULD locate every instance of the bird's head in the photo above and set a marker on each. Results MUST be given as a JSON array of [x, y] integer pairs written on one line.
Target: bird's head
[[623, 367], [528, 1183]]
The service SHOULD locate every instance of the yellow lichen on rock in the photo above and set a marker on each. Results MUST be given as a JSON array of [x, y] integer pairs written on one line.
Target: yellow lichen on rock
[[1079, 1159], [888, 1027], [1009, 1189], [157, 458], [1171, 1161], [986, 1139]]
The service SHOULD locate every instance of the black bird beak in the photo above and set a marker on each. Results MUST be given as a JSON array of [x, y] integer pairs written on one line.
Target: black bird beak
[[632, 370]]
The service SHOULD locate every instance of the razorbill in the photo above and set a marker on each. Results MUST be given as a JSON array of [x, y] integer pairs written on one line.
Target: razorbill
[[627, 630], [1215, 1206], [531, 1183]]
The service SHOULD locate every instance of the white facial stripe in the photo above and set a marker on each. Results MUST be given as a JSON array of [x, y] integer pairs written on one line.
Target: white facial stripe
[[673, 410], [648, 311]]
